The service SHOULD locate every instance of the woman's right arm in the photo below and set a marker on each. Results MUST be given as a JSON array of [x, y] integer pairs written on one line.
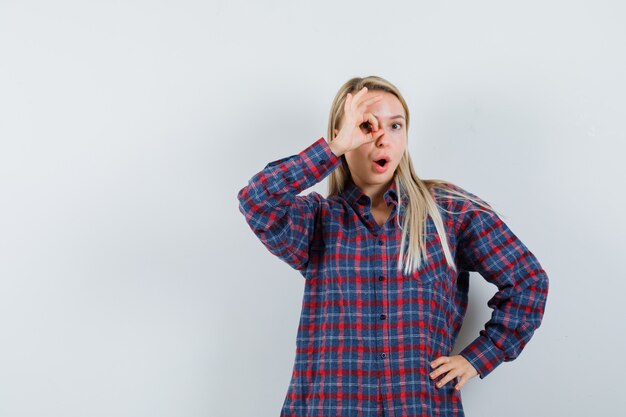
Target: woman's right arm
[[281, 219]]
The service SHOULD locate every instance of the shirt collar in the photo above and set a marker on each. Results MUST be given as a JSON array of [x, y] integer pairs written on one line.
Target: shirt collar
[[355, 196]]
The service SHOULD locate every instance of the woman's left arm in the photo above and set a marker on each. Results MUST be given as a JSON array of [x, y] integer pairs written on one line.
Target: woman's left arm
[[488, 246]]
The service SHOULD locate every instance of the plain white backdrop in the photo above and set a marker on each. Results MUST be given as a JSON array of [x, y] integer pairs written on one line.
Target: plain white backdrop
[[130, 284]]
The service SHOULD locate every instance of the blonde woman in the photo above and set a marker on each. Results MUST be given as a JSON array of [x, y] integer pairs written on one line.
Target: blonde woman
[[386, 258]]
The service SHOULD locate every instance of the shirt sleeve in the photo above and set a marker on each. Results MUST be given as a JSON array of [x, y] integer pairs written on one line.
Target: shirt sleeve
[[284, 221], [488, 246]]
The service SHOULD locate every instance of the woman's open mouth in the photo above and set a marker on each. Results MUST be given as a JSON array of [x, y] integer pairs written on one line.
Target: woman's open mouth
[[380, 165]]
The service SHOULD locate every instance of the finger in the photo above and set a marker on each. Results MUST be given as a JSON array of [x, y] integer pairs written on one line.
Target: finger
[[441, 369], [460, 383], [370, 100], [362, 106], [360, 98], [449, 376], [440, 360], [346, 107], [360, 94], [373, 136], [347, 103], [373, 121]]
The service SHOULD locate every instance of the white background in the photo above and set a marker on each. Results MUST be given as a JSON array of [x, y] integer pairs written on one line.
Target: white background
[[130, 284]]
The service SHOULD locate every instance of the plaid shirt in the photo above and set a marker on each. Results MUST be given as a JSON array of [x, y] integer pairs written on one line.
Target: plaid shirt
[[368, 332]]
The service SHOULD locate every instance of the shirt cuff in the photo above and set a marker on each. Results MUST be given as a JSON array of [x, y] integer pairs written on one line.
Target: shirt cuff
[[319, 161], [483, 355]]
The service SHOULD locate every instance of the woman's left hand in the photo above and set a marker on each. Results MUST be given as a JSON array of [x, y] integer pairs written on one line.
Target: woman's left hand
[[455, 366]]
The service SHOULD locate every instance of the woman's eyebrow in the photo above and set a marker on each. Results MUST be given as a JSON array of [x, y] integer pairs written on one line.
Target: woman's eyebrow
[[398, 116]]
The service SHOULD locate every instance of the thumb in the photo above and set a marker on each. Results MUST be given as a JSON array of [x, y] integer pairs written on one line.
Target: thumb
[[369, 137], [375, 135]]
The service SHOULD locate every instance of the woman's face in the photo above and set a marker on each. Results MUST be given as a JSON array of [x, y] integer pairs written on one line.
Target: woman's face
[[366, 173]]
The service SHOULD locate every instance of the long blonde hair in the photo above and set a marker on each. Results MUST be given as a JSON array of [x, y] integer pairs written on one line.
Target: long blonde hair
[[420, 202]]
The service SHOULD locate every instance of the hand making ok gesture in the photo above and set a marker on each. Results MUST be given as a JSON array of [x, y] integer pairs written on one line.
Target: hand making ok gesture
[[357, 126]]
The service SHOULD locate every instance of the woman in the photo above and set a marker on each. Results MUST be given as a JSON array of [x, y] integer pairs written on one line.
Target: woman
[[386, 260]]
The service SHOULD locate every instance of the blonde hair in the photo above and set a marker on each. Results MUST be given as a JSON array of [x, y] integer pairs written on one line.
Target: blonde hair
[[420, 203]]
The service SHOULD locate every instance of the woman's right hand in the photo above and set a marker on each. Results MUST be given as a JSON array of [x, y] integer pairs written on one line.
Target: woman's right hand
[[357, 126]]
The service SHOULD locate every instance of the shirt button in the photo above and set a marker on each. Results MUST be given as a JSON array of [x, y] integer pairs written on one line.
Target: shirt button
[[323, 162], [367, 216], [382, 317], [381, 278], [383, 355], [380, 242]]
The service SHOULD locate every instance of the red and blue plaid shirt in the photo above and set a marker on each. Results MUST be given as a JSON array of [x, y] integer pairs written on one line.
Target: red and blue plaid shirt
[[368, 332]]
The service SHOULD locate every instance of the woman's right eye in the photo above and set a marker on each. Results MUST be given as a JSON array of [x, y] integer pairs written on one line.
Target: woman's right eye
[[365, 125]]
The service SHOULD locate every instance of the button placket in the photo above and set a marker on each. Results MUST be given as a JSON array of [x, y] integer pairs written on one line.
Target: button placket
[[379, 242]]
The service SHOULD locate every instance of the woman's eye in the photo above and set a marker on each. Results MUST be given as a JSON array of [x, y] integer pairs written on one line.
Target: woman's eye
[[398, 124], [365, 125]]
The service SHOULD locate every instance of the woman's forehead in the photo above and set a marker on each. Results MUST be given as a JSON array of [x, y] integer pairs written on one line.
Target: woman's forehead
[[387, 107]]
